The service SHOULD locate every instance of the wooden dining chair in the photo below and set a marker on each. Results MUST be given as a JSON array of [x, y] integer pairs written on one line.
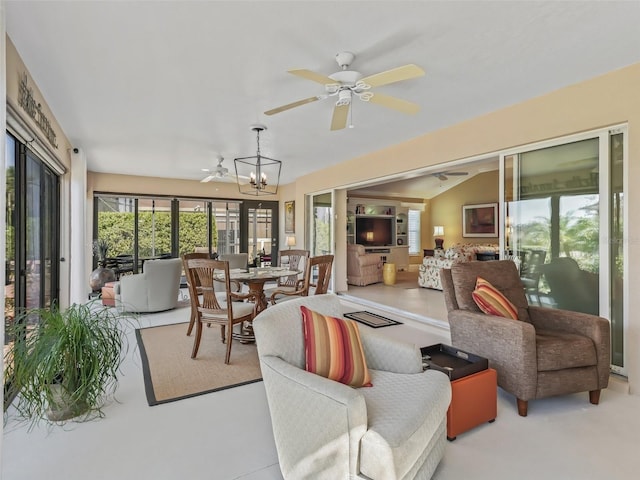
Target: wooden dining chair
[[294, 260], [321, 281], [292, 285], [194, 308], [215, 300]]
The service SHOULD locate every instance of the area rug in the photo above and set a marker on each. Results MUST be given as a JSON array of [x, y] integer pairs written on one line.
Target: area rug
[[372, 320], [171, 374]]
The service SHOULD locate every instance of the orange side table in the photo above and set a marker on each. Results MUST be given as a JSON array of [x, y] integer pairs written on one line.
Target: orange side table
[[473, 402]]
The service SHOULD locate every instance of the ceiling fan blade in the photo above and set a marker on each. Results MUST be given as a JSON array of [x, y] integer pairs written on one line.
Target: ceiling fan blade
[[340, 114], [398, 74], [313, 76], [291, 105], [394, 103], [207, 179]]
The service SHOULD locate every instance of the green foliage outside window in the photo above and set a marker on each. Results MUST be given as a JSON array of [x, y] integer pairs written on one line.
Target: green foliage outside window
[[117, 228]]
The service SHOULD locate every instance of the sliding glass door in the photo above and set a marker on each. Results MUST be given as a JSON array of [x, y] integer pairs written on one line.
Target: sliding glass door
[[259, 227], [32, 229], [321, 239], [563, 219]]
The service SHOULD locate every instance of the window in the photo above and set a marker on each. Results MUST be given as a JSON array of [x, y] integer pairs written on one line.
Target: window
[[414, 232]]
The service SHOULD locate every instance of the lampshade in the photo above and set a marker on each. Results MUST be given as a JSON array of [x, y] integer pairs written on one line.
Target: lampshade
[[438, 232], [369, 236], [291, 241], [257, 175]]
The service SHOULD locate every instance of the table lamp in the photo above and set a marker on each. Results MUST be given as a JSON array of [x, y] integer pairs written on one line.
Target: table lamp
[[291, 241], [438, 233]]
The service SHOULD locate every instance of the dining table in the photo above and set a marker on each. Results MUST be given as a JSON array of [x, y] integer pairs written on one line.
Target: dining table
[[255, 279]]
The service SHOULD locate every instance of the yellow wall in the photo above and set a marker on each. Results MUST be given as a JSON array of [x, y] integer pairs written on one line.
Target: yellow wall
[[446, 208]]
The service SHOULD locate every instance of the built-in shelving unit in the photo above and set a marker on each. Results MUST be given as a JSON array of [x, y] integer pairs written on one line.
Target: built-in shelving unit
[[381, 227]]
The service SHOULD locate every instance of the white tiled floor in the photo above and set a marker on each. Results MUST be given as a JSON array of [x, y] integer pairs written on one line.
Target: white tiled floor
[[227, 435]]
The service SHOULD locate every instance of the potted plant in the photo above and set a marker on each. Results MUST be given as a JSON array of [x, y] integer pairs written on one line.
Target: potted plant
[[101, 250], [65, 363]]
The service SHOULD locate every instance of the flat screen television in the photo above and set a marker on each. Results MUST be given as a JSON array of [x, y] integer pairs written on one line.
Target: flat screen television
[[374, 231]]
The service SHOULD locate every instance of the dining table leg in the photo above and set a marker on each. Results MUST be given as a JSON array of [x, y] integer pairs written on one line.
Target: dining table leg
[[256, 288]]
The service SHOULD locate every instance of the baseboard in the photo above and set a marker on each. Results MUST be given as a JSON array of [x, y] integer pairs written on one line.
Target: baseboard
[[618, 383]]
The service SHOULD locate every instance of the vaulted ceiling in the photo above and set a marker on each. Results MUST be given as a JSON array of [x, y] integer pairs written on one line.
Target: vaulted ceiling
[[160, 88]]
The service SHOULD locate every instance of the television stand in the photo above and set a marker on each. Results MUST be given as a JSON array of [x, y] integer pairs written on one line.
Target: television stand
[[397, 255]]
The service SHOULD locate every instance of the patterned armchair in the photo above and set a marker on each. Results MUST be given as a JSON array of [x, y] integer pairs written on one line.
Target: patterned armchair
[[429, 276]]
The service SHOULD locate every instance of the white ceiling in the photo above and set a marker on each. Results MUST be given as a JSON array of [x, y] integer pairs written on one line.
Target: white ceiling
[[161, 87]]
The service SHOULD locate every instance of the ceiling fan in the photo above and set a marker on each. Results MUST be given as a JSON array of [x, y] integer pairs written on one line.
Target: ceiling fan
[[347, 84], [217, 173], [445, 175]]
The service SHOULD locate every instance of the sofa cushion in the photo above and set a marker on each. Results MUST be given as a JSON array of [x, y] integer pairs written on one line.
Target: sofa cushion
[[404, 412], [559, 350], [492, 302], [333, 349]]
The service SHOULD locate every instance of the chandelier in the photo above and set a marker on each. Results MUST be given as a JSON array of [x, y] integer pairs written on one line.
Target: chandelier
[[257, 175]]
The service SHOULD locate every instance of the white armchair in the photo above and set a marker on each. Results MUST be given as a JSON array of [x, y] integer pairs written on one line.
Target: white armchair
[[327, 430], [154, 290]]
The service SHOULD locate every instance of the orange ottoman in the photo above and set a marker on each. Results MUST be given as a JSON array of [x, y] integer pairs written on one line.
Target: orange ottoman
[[473, 402], [108, 294]]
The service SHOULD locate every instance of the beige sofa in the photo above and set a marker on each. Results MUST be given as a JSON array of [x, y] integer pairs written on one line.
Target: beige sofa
[[325, 430], [363, 268], [429, 271]]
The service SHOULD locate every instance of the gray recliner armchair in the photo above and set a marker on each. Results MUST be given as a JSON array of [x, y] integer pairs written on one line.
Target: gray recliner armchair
[[394, 430], [546, 352]]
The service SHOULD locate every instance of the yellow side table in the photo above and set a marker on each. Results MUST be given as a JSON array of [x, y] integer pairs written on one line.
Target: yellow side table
[[389, 273]]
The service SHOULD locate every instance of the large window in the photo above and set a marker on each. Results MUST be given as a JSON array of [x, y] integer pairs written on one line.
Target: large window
[[414, 232], [138, 228]]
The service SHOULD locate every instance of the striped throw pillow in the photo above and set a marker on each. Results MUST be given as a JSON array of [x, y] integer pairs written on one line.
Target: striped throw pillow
[[491, 301], [333, 349]]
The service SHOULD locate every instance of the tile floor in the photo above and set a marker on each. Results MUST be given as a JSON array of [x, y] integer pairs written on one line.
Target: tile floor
[[227, 435]]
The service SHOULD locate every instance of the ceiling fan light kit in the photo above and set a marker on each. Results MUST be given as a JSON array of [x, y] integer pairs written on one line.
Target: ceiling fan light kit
[[257, 175], [217, 173], [346, 83]]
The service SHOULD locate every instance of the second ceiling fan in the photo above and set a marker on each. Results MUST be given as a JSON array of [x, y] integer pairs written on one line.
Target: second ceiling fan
[[347, 84]]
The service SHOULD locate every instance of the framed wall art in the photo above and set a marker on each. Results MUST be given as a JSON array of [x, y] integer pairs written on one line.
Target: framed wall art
[[480, 220], [290, 217]]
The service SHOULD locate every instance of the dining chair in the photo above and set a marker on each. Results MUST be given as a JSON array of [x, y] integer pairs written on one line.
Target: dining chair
[[212, 276], [322, 276], [194, 308], [292, 285]]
